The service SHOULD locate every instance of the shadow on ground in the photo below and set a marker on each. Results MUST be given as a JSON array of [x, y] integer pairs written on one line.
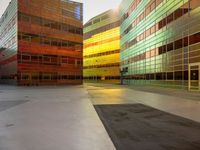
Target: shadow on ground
[[140, 127]]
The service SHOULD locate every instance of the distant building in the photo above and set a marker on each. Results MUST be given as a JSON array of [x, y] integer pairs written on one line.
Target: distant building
[[41, 42], [102, 47], [160, 39]]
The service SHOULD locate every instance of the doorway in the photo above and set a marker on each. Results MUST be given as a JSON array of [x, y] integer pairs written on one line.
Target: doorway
[[194, 77]]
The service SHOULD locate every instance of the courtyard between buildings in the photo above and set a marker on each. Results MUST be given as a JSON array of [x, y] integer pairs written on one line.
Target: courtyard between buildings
[[63, 117]]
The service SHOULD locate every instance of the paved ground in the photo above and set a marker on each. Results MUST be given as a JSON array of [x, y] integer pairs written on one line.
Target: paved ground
[[140, 127], [50, 118], [181, 93], [63, 118], [175, 102]]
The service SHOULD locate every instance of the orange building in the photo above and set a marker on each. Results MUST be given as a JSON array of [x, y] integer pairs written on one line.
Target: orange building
[[49, 43]]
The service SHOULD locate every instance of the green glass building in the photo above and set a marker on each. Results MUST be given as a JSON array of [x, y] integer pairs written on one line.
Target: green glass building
[[160, 42]]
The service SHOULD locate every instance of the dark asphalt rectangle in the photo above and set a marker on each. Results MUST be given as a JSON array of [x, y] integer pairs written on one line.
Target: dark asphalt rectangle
[[140, 127]]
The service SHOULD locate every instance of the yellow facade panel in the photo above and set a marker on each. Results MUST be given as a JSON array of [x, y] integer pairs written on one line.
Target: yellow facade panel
[[102, 52]]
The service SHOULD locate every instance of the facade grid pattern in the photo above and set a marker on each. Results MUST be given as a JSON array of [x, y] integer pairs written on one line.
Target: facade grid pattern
[[102, 48], [159, 39], [47, 43]]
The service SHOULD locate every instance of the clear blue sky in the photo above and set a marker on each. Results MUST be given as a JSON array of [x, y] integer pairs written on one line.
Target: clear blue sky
[[91, 7]]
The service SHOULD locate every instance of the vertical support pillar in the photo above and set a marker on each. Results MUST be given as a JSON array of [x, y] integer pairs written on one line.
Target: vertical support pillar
[[189, 78], [199, 76], [121, 78]]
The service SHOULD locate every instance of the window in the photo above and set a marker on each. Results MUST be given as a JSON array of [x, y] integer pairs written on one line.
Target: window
[[72, 77], [55, 25], [25, 77], [178, 13], [159, 76], [46, 77], [25, 58], [36, 20], [105, 17], [64, 60], [148, 32], [71, 29], [170, 47], [35, 38], [152, 6], [195, 38], [153, 53], [96, 21], [46, 41], [71, 61], [147, 11], [47, 23], [152, 30], [162, 23], [65, 77], [54, 59], [151, 76], [46, 59], [170, 76], [179, 75], [34, 58], [35, 77], [54, 43], [162, 50], [185, 75], [25, 37], [64, 44], [178, 44], [170, 18]]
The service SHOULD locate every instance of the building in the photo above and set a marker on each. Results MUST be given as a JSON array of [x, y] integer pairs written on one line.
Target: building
[[102, 47], [160, 42], [41, 42]]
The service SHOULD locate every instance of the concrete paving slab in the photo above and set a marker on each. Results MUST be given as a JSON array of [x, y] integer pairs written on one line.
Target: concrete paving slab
[[8, 104], [115, 94], [54, 118]]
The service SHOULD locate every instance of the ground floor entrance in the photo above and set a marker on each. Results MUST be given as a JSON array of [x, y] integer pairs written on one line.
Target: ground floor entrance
[[194, 77]]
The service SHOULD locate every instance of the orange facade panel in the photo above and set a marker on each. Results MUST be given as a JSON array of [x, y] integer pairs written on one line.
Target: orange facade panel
[[50, 42], [26, 47], [35, 29], [52, 9], [49, 68]]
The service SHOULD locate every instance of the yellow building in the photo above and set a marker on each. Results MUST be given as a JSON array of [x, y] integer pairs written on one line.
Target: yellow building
[[101, 55]]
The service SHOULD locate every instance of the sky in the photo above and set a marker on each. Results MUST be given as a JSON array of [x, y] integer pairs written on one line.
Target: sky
[[91, 7]]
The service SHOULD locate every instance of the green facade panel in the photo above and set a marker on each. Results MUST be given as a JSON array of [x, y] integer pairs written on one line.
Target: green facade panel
[[158, 39]]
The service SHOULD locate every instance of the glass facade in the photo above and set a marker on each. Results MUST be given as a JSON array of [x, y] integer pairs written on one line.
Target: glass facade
[[8, 44], [102, 47], [49, 42], [159, 39]]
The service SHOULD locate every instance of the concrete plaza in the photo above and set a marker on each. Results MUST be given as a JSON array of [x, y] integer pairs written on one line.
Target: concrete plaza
[[63, 118], [175, 101], [50, 118]]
